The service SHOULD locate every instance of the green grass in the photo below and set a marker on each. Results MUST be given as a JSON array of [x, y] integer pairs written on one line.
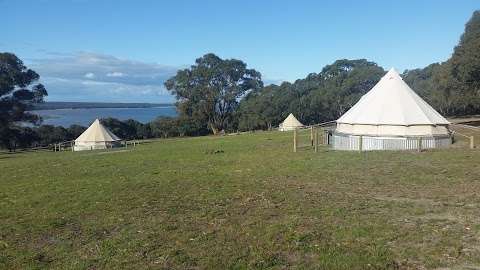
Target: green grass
[[176, 204]]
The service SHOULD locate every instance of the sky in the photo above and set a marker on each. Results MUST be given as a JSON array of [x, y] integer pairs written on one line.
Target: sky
[[123, 51]]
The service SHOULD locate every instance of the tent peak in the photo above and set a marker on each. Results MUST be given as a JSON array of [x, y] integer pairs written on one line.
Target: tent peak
[[290, 123], [392, 73], [96, 132]]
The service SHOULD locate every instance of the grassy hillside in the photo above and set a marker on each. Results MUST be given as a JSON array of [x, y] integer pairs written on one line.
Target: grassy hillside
[[239, 202]]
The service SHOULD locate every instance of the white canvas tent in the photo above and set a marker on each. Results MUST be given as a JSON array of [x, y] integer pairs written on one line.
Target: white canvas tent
[[290, 123], [391, 116], [96, 137]]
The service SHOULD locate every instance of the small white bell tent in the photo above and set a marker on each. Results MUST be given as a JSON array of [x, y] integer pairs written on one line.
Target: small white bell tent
[[290, 123], [96, 136], [391, 116]]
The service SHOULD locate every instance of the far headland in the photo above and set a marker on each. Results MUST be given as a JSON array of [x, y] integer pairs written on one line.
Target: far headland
[[57, 105]]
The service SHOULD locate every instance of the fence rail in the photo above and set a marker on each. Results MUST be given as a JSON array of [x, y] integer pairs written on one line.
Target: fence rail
[[307, 138], [69, 146], [470, 138]]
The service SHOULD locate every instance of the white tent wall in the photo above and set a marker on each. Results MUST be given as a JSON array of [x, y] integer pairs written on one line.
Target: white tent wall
[[82, 146], [368, 143], [282, 128], [395, 130]]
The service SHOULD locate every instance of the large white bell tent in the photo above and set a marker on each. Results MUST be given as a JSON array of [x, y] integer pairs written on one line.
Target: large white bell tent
[[290, 123], [391, 116], [96, 136]]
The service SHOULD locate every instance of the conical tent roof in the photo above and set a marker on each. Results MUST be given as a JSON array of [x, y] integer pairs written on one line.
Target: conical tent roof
[[392, 102], [291, 121], [97, 133]]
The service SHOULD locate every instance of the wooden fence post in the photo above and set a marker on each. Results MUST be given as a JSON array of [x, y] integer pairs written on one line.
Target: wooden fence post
[[311, 135], [419, 144], [316, 140], [295, 140], [472, 142]]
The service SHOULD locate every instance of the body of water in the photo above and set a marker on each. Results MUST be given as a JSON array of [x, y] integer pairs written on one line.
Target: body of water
[[84, 117]]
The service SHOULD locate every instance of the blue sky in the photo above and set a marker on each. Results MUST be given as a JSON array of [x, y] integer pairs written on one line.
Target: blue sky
[[122, 51]]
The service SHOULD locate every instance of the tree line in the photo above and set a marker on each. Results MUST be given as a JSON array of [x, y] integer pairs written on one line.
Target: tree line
[[21, 137], [453, 87], [222, 95]]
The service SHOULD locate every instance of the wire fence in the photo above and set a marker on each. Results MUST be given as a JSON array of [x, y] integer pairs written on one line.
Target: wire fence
[[467, 134], [308, 137], [70, 146]]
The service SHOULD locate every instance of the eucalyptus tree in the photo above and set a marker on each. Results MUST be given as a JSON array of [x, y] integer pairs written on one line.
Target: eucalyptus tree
[[209, 91], [19, 90]]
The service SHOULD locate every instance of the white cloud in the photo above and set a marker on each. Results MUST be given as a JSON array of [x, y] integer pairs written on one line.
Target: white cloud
[[90, 90], [104, 67], [92, 82], [89, 75], [96, 77], [115, 74]]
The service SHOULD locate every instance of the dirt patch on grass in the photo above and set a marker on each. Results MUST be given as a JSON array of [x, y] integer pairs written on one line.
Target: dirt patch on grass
[[421, 201], [113, 152]]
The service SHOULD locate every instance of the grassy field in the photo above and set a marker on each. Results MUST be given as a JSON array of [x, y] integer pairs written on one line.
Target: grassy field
[[240, 202]]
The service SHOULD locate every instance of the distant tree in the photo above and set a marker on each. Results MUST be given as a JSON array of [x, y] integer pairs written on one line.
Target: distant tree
[[18, 92], [48, 134], [164, 127], [189, 127], [74, 131], [453, 87], [263, 109], [137, 129], [465, 61], [463, 69], [209, 91], [123, 129], [317, 98], [426, 82], [22, 137], [342, 84], [27, 137], [142, 131]]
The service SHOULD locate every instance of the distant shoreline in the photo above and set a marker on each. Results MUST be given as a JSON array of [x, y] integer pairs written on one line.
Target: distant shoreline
[[58, 105]]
